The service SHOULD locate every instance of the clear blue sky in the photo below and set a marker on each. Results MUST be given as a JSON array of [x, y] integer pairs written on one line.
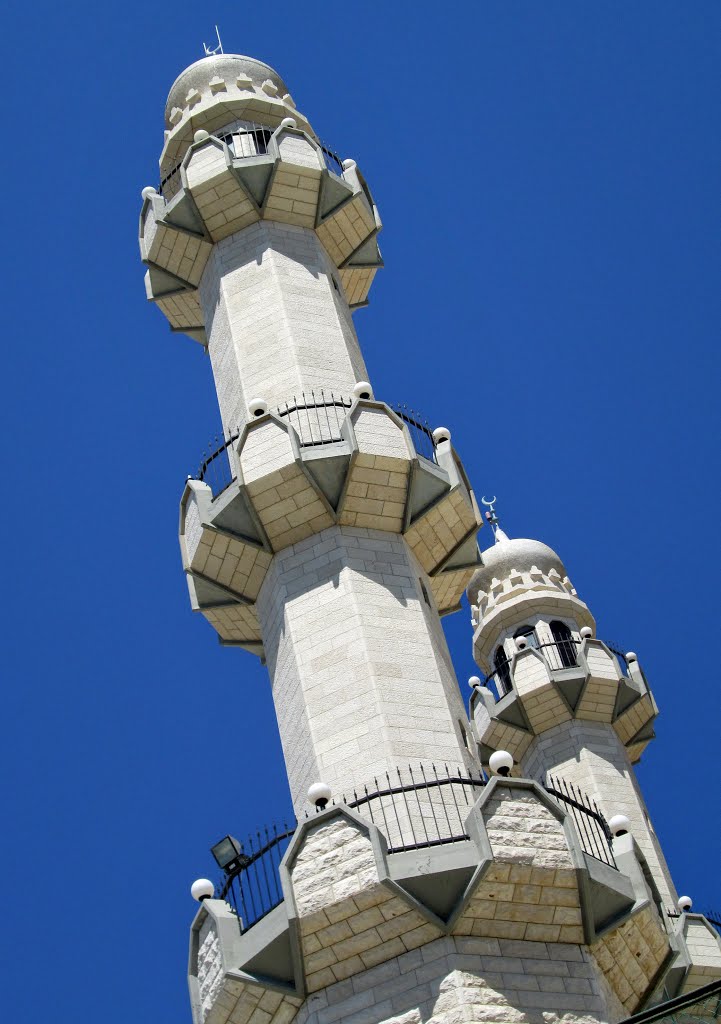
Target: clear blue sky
[[548, 174]]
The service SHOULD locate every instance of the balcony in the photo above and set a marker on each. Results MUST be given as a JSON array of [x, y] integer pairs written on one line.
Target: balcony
[[558, 655], [413, 809], [244, 139], [317, 419]]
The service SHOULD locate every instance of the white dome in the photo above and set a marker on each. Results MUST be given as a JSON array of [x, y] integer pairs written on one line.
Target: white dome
[[506, 556]]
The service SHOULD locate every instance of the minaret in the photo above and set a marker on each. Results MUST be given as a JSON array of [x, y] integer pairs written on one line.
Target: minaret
[[328, 535], [346, 529], [564, 703]]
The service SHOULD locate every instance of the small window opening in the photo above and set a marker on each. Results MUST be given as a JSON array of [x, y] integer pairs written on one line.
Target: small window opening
[[530, 635], [464, 735], [563, 639], [503, 670]]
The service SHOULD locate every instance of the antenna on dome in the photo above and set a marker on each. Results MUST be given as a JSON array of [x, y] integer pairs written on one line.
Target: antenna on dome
[[218, 48]]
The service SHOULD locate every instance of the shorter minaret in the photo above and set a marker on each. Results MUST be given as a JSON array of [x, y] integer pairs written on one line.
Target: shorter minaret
[[567, 705]]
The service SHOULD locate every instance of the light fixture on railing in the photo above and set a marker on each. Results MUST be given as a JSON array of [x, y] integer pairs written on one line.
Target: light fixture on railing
[[619, 825], [500, 763], [684, 904], [202, 889], [441, 435], [228, 854], [586, 633], [474, 681], [319, 794]]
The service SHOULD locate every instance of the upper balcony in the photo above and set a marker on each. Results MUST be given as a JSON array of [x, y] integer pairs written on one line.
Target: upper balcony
[[572, 677]]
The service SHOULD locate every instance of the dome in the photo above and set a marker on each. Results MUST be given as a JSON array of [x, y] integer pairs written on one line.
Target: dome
[[223, 65], [505, 556]]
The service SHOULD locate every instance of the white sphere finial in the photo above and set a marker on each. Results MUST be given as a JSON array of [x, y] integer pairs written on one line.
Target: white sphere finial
[[474, 681], [684, 904], [319, 794], [347, 164], [201, 135], [257, 407], [619, 825], [363, 390], [441, 435], [288, 122], [149, 192], [586, 632], [521, 643], [631, 657], [501, 763], [202, 889]]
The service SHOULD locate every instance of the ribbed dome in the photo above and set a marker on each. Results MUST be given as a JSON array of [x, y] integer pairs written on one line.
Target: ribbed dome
[[501, 559], [223, 65]]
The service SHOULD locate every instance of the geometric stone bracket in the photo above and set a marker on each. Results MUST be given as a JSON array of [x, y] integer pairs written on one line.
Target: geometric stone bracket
[[220, 988], [346, 913], [703, 946]]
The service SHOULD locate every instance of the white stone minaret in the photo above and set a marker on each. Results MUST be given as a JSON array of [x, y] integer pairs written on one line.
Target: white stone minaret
[[328, 535]]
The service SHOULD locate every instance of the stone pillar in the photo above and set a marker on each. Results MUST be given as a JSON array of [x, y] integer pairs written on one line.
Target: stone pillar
[[361, 674], [277, 321]]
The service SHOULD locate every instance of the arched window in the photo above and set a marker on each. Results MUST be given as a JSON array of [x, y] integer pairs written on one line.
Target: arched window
[[565, 646], [529, 633], [503, 671]]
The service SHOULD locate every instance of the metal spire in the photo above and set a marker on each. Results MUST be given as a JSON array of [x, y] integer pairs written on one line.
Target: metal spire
[[218, 48], [492, 520]]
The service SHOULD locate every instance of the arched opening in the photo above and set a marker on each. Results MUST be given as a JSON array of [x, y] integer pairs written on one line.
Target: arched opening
[[529, 633], [503, 671], [563, 639]]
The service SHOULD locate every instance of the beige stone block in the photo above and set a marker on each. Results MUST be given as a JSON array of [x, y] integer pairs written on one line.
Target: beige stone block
[[321, 979], [346, 968], [385, 951]]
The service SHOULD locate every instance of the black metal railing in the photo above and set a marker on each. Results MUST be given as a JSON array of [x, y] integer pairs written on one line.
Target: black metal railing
[[246, 139], [427, 809], [254, 889], [558, 654], [591, 826], [414, 808], [421, 433], [317, 418]]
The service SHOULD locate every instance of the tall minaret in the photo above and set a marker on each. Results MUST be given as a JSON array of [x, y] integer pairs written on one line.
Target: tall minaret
[[328, 535], [347, 529]]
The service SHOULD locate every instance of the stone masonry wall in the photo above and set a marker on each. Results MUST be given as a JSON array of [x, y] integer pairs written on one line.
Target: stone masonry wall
[[276, 324], [593, 758], [210, 967], [461, 980], [360, 682]]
